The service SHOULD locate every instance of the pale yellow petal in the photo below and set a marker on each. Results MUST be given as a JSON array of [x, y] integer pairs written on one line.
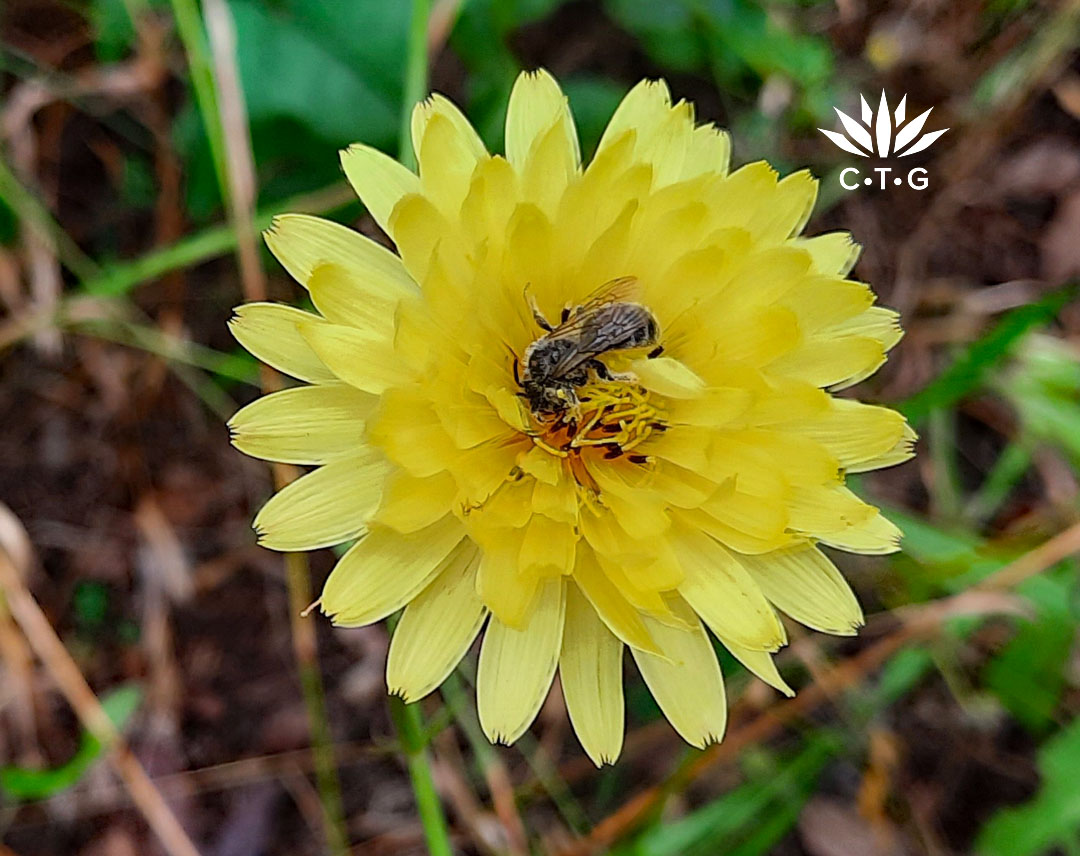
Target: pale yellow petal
[[854, 432], [759, 663], [551, 165], [620, 616], [822, 302], [302, 242], [829, 508], [668, 377], [464, 135], [506, 593], [340, 298], [877, 536], [709, 151], [536, 104], [325, 507], [357, 357], [378, 179], [802, 582], [687, 684], [644, 107], [877, 322], [447, 160], [760, 518], [271, 332], [833, 252], [723, 593], [517, 666], [407, 429], [590, 671], [735, 538], [783, 212], [665, 144], [418, 229], [904, 450], [385, 570], [303, 425], [410, 503], [832, 361], [436, 628], [549, 547]]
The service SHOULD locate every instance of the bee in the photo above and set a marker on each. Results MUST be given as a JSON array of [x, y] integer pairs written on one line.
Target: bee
[[559, 362]]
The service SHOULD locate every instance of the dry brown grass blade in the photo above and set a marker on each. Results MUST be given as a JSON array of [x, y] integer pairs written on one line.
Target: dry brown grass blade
[[916, 622], [69, 680]]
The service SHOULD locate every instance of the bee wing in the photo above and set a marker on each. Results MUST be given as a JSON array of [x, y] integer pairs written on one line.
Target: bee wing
[[603, 328], [621, 290]]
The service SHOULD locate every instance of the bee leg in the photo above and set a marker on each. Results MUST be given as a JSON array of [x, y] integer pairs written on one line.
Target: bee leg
[[565, 315], [656, 352], [517, 374], [538, 316], [602, 371]]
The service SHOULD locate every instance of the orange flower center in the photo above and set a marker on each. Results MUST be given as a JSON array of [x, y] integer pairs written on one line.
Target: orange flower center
[[612, 417]]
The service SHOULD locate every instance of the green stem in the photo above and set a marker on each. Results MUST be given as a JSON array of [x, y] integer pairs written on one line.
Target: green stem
[[413, 736], [189, 26], [416, 77]]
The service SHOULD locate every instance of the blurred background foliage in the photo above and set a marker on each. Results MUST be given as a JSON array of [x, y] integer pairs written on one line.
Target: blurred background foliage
[[948, 727]]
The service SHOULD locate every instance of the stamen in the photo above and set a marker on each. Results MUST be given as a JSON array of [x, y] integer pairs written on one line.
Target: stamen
[[611, 416]]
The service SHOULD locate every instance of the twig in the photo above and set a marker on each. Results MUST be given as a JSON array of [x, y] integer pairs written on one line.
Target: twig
[[241, 192], [54, 657]]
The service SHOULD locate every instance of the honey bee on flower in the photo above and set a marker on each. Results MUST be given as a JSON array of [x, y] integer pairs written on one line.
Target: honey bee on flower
[[585, 408]]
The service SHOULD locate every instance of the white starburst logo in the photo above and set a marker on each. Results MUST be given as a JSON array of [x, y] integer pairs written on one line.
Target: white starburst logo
[[884, 133]]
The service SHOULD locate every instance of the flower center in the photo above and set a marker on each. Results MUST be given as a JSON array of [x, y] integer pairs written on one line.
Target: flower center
[[614, 416]]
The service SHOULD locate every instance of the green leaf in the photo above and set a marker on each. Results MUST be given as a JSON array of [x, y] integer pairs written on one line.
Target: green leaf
[[317, 76], [20, 783], [113, 31], [334, 68], [1052, 818], [737, 40], [1028, 675], [951, 559], [669, 31], [745, 29], [969, 369]]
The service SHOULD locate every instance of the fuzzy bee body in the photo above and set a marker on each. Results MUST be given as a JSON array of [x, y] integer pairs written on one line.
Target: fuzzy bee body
[[560, 361]]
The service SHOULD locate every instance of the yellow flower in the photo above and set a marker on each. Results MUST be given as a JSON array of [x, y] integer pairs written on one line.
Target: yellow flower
[[680, 485]]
